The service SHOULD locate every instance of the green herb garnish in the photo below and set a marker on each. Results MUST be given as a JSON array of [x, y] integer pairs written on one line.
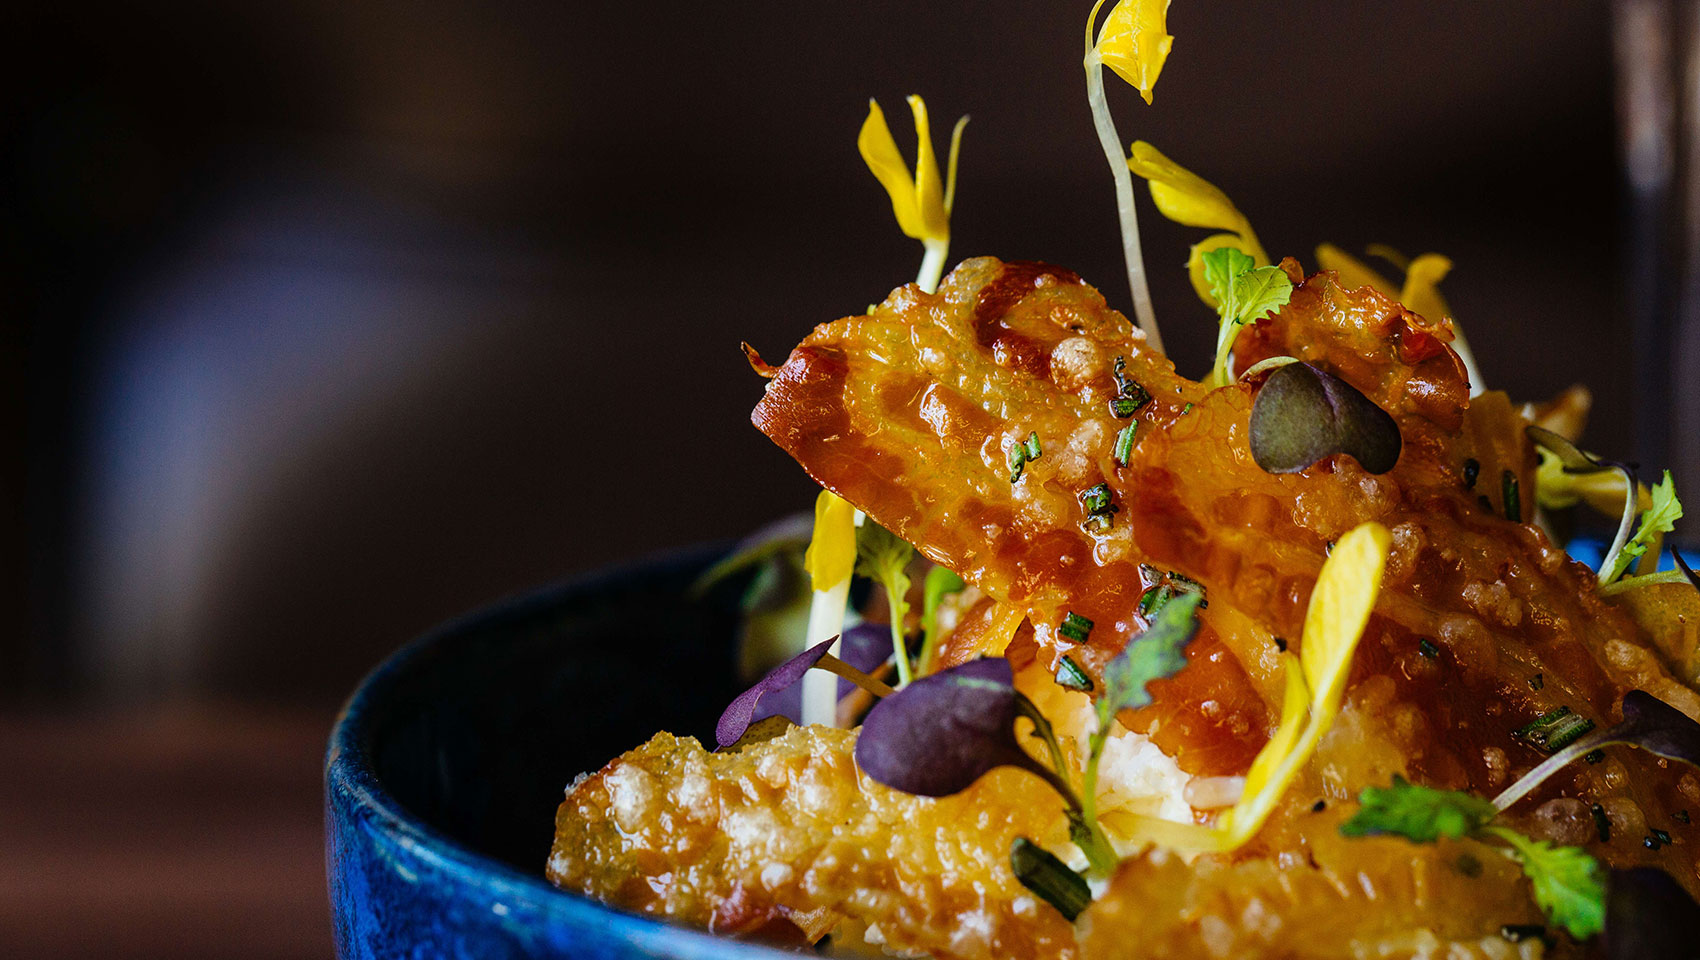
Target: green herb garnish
[[1100, 507], [883, 556], [1569, 884], [1509, 496], [1659, 519], [1555, 730], [1071, 676], [1021, 453], [1075, 627], [1049, 878], [1124, 445], [1244, 292]]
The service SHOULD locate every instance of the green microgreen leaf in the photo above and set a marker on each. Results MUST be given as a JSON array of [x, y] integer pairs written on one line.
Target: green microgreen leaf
[[1569, 884], [883, 556], [1156, 653], [1417, 813], [1658, 519], [1244, 293]]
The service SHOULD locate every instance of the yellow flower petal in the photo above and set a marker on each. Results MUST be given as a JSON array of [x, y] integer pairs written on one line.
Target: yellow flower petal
[[1187, 198], [929, 188], [1135, 42], [879, 152], [950, 173], [1339, 609], [1006, 619], [1421, 294], [831, 556], [1353, 272]]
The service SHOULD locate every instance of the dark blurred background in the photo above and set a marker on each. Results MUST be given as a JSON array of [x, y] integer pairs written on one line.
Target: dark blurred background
[[324, 322]]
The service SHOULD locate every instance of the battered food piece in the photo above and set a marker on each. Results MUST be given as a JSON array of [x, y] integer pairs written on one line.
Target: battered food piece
[[1482, 625]]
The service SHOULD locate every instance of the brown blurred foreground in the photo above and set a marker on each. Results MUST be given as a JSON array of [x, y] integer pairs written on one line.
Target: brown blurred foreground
[[170, 832]]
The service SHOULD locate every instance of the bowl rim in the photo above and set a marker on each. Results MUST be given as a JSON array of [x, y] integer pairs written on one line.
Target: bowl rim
[[348, 771]]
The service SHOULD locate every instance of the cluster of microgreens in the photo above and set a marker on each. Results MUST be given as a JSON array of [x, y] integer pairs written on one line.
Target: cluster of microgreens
[[936, 733]]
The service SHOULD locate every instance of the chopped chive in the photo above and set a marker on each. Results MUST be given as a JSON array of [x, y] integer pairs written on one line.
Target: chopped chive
[[1017, 461], [1554, 731], [1153, 599], [1121, 408], [1426, 647], [1281, 644], [1537, 681], [1681, 816], [1075, 627], [1129, 389], [1661, 836], [1508, 493], [1100, 507], [1071, 676], [1594, 756], [1049, 878], [1472, 468], [1186, 409], [1032, 446], [1518, 932], [1124, 444], [1601, 824]]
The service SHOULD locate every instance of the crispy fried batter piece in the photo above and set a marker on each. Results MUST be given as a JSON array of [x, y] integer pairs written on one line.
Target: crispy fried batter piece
[[1482, 625], [733, 841]]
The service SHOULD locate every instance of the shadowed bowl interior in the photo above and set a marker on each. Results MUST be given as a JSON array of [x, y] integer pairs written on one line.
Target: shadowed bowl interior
[[446, 766]]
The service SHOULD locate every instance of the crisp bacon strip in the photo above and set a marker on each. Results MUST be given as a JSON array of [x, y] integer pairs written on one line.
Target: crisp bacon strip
[[907, 412]]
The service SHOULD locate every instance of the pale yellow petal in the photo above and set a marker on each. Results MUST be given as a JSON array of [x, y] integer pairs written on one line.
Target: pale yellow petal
[[1135, 42], [950, 166], [1187, 198], [1295, 707], [1353, 273], [1339, 609], [929, 186], [831, 556], [879, 152], [1006, 619], [1421, 294], [1390, 254]]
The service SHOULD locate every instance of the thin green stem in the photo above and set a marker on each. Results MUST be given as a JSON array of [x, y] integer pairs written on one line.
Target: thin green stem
[[873, 685], [900, 651]]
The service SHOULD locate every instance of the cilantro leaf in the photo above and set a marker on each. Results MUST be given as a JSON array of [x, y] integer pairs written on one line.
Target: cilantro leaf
[[1244, 292], [883, 556], [1659, 519], [1154, 654], [1416, 812], [1569, 884]]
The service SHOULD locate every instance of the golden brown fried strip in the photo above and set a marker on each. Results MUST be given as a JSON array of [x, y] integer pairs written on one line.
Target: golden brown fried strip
[[907, 412], [788, 828]]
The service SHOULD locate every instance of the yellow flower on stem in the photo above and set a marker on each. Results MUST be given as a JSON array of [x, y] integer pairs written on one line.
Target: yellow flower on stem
[[922, 201], [830, 560], [1190, 200], [1135, 42]]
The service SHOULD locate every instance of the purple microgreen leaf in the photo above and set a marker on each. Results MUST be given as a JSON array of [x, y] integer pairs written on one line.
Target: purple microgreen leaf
[[1303, 414], [741, 711], [1154, 654], [1648, 914], [866, 646], [1682, 565], [941, 733], [1648, 723]]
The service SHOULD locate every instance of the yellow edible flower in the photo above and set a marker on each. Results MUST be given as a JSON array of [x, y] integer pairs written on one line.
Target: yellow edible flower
[[1189, 199], [831, 556], [1134, 42], [1340, 606], [921, 201]]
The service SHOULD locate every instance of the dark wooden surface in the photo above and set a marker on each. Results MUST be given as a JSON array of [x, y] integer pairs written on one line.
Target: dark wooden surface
[[170, 832]]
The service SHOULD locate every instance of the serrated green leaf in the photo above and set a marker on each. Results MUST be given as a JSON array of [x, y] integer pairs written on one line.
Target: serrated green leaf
[[1569, 884], [883, 557], [1260, 292], [1418, 813], [1221, 266], [1659, 519], [1156, 653]]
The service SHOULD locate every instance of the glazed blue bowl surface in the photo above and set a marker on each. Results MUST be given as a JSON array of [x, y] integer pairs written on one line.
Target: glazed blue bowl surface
[[446, 766]]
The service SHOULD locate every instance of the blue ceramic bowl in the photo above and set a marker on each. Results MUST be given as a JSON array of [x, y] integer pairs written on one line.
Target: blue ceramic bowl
[[445, 769]]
